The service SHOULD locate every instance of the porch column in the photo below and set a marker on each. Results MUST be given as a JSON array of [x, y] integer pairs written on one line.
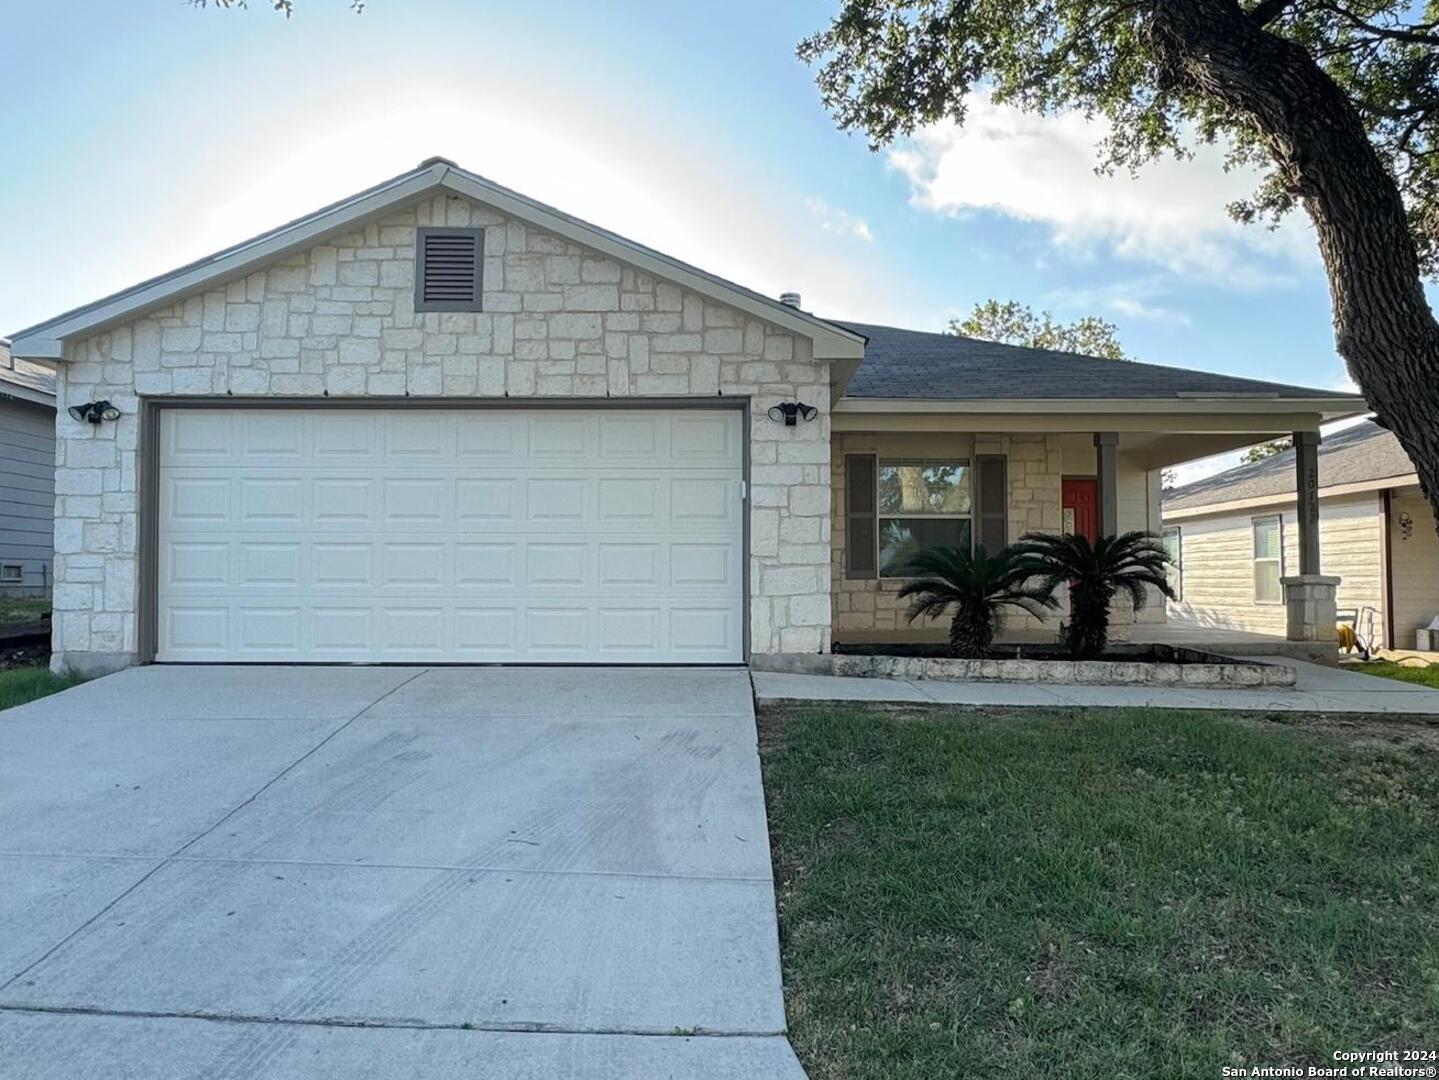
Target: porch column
[[1306, 476], [1309, 596], [1106, 449]]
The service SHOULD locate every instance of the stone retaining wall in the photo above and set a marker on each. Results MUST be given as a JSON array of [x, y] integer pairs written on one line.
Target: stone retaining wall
[[1221, 674]]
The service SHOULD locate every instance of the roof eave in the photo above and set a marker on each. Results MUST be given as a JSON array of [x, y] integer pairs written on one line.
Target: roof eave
[[1340, 406]]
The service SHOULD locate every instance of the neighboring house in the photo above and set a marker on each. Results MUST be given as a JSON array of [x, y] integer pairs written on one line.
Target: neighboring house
[[27, 475], [1236, 536], [441, 422]]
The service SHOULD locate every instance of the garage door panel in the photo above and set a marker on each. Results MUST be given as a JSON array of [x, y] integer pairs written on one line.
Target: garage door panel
[[490, 500], [425, 535], [264, 563], [635, 439], [559, 435]]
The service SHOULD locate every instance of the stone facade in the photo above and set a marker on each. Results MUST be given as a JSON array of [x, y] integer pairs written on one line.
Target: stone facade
[[338, 320]]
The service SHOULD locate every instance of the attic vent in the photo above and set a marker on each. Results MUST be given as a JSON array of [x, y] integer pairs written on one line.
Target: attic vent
[[449, 269]]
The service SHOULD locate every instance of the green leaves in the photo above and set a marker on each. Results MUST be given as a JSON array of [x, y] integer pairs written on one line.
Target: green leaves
[[1013, 323]]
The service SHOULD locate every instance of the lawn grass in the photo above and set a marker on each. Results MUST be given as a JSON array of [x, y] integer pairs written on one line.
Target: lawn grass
[[18, 610], [19, 685], [1125, 893], [1386, 669]]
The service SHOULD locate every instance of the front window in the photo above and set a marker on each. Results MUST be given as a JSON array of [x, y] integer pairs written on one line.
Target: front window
[[922, 503], [1268, 560]]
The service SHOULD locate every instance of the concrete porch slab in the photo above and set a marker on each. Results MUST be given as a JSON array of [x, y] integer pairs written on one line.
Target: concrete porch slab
[[50, 1046]]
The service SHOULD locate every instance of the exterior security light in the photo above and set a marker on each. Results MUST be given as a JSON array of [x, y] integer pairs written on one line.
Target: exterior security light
[[94, 411], [788, 412]]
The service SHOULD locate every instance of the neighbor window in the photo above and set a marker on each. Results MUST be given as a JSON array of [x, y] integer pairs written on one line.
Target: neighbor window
[[922, 503], [11, 572], [1174, 548], [1268, 560]]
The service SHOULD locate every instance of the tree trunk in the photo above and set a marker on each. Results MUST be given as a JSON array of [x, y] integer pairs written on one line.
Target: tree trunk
[[1383, 326]]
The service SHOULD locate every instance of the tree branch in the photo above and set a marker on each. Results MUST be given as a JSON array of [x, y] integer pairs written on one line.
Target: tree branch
[[1266, 11]]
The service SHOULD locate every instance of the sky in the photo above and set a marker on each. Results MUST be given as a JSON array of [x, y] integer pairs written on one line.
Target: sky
[[141, 135]]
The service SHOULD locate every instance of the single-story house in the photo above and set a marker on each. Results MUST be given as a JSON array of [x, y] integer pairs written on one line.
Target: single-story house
[[1236, 536], [27, 475], [441, 422]]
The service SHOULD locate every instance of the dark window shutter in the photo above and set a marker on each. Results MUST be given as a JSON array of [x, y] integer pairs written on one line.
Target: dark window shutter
[[861, 536], [449, 269], [992, 502]]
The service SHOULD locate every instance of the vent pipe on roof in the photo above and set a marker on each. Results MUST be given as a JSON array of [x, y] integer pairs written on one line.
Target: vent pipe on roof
[[789, 299]]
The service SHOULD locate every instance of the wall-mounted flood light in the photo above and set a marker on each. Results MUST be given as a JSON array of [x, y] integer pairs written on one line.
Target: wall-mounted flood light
[[789, 412], [94, 411]]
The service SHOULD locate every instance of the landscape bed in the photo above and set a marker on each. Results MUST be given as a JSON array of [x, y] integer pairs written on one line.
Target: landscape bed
[[1121, 665]]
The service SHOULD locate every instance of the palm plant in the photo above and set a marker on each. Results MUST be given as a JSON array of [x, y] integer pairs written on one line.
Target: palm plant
[[976, 585], [1130, 562]]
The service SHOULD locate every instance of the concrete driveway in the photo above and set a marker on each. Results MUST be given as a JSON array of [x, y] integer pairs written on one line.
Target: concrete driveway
[[227, 872]]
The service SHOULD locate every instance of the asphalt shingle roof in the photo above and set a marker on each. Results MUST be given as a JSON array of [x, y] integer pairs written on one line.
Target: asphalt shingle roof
[[1355, 455], [915, 364]]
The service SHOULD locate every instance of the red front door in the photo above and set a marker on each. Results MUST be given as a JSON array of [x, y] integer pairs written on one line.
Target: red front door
[[1081, 507]]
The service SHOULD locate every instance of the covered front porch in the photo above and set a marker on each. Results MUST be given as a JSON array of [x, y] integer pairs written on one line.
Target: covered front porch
[[911, 474]]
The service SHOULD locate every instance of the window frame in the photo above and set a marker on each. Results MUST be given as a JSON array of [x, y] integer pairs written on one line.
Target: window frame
[[1177, 566], [966, 462], [475, 304], [1255, 558], [5, 576]]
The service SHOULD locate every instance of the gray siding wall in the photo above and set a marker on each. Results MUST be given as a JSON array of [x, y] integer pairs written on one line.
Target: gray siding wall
[[27, 494]]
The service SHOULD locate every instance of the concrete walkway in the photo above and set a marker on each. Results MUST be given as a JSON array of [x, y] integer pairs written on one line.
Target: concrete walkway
[[1319, 689], [240, 872]]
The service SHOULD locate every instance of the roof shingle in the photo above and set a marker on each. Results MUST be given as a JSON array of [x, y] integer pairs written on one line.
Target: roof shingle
[[1355, 455], [918, 365]]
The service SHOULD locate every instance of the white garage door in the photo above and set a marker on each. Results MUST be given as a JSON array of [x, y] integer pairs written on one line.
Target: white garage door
[[434, 535]]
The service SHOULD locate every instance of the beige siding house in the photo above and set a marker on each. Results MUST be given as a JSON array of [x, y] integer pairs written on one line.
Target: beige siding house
[[1238, 531], [439, 422]]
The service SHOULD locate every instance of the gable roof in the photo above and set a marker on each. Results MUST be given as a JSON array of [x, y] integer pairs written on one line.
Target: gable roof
[[1362, 454], [25, 381], [913, 365], [44, 340]]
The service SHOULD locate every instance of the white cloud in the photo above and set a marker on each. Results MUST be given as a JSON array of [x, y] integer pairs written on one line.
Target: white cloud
[[840, 222], [1133, 308], [1041, 170]]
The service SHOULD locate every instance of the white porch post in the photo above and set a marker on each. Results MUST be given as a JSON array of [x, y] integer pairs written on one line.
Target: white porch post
[[1310, 597]]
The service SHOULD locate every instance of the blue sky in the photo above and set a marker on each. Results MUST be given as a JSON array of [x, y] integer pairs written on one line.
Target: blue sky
[[143, 134]]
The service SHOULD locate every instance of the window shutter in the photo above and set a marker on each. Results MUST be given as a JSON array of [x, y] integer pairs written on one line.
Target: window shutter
[[449, 270], [861, 529], [992, 502]]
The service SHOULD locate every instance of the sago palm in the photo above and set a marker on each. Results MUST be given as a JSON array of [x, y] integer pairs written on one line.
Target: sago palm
[[1131, 562], [975, 585]]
